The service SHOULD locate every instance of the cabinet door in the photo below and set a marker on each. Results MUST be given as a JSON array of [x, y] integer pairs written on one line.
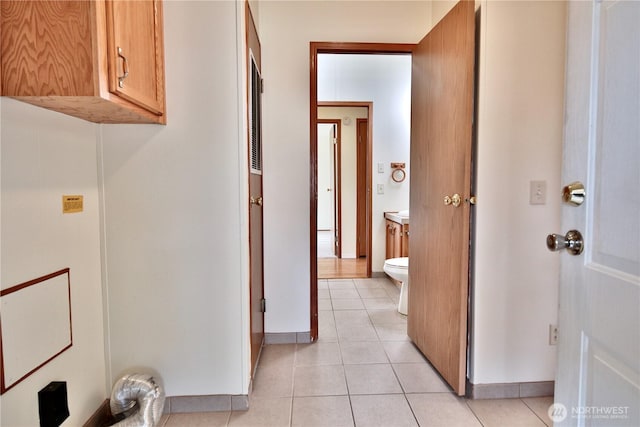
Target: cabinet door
[[405, 241], [389, 241], [135, 52]]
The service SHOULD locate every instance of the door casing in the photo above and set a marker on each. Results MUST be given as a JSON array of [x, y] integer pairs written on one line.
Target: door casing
[[315, 49]]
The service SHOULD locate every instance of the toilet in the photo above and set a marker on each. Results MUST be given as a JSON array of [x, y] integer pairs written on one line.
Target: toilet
[[398, 269]]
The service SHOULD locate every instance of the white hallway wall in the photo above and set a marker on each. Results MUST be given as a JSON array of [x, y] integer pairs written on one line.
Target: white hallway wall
[[175, 207], [386, 81], [45, 155], [286, 28], [521, 92], [520, 133]]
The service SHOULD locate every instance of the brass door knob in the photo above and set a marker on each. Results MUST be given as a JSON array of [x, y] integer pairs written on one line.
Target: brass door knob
[[454, 200]]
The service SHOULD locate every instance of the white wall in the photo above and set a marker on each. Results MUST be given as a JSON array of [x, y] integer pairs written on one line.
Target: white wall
[[44, 156], [519, 139], [176, 215], [386, 81], [348, 162], [286, 28]]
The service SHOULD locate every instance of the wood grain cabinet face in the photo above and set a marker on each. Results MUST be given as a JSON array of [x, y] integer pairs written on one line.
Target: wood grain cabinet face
[[98, 60], [397, 240]]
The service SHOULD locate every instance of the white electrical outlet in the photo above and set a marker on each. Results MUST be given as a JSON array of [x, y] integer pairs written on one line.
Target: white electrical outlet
[[537, 192], [553, 334], [380, 188]]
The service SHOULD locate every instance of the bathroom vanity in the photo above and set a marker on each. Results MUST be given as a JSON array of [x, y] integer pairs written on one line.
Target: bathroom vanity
[[397, 235]]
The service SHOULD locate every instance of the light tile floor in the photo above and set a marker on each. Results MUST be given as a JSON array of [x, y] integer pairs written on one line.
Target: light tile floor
[[363, 371]]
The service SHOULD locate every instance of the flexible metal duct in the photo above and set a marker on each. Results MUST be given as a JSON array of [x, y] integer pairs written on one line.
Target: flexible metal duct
[[140, 389]]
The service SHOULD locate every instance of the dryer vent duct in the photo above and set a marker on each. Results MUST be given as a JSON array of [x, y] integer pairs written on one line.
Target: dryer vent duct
[[139, 398]]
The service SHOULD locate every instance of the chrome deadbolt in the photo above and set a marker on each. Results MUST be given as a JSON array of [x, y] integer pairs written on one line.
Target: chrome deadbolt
[[572, 242]]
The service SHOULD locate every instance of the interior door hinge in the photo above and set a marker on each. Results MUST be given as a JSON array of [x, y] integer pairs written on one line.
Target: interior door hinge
[[263, 305], [261, 85]]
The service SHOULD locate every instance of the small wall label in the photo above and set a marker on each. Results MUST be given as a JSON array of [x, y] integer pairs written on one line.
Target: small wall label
[[72, 204]]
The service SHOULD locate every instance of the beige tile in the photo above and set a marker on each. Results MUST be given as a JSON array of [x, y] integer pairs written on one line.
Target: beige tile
[[325, 304], [347, 304], [263, 412], [321, 353], [319, 381], [420, 378], [344, 293], [540, 405], [198, 419], [394, 294], [273, 382], [357, 333], [387, 316], [392, 332], [277, 355], [323, 294], [359, 352], [382, 410], [403, 352], [163, 420], [371, 379], [367, 292], [351, 318], [442, 409], [504, 412], [368, 284], [379, 303], [326, 327], [341, 284], [323, 284], [334, 411]]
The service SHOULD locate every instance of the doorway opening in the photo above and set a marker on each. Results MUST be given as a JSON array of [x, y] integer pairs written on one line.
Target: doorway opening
[[341, 48], [343, 212]]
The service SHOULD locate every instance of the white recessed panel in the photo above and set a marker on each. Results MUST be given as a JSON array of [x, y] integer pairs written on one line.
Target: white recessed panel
[[35, 320]]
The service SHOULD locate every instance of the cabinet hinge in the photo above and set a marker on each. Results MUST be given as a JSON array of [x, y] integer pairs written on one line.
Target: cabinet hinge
[[261, 85], [263, 305]]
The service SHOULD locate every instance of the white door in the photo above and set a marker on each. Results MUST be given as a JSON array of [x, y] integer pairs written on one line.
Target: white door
[[598, 377], [325, 176]]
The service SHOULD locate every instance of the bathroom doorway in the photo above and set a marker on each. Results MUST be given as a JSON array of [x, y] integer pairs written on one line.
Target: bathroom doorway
[[381, 191], [343, 242]]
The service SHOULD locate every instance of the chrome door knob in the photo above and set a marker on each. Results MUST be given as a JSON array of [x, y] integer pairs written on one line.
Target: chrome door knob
[[572, 242]]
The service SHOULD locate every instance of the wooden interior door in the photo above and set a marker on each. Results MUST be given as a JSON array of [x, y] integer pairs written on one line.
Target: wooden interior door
[[362, 138], [441, 146], [598, 375], [255, 190]]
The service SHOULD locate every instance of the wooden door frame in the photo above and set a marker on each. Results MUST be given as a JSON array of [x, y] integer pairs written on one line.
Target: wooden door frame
[[316, 48], [359, 189], [337, 177]]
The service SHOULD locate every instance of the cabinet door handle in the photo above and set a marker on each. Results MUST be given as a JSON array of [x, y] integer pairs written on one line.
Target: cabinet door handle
[[125, 68]]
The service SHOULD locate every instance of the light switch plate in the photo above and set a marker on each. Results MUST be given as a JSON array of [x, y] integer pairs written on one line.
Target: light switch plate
[[380, 167], [380, 188], [537, 192]]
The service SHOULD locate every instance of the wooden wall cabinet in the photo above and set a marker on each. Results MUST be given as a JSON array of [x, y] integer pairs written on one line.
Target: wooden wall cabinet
[[99, 60], [397, 240]]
